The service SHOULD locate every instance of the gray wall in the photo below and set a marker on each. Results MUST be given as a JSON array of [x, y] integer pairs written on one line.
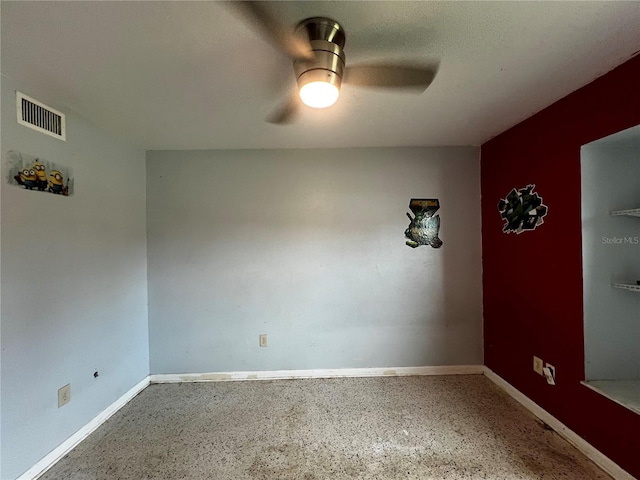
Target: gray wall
[[611, 181], [307, 246], [73, 286]]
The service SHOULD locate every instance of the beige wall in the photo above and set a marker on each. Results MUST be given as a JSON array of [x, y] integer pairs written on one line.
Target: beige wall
[[308, 247], [74, 287]]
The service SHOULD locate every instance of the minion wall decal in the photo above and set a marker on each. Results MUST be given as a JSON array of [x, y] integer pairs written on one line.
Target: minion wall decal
[[522, 210], [425, 226], [56, 183], [41, 173], [27, 178], [36, 174]]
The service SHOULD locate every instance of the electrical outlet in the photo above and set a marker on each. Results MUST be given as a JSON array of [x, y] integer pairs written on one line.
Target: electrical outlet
[[550, 374], [263, 340], [538, 365], [64, 395]]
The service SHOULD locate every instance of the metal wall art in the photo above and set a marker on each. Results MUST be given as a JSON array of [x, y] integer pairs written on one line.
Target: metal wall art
[[522, 210], [36, 174], [424, 227]]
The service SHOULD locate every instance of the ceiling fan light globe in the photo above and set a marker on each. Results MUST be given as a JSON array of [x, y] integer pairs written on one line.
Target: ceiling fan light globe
[[319, 94]]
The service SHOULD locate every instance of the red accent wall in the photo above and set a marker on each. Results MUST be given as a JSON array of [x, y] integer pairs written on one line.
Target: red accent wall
[[533, 281]]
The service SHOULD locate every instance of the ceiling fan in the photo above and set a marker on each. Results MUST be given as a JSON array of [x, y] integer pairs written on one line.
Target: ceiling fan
[[316, 46]]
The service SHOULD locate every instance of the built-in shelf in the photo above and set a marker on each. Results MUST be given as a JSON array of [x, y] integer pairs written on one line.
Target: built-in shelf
[[634, 212], [610, 212], [628, 286]]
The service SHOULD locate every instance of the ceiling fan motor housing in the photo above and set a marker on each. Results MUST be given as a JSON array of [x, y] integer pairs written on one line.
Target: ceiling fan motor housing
[[327, 39]]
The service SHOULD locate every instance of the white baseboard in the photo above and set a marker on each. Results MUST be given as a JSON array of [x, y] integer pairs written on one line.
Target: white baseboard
[[320, 373], [569, 435], [65, 447]]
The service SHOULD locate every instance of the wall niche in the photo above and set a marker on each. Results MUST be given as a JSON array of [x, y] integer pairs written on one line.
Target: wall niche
[[611, 265]]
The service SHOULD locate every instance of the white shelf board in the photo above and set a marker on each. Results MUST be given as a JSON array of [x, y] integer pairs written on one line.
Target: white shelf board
[[634, 212], [628, 286]]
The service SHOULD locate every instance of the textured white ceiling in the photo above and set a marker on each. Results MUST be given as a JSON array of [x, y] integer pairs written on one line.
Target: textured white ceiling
[[192, 75]]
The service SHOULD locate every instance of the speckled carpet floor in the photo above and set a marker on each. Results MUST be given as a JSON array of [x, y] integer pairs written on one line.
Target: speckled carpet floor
[[431, 427]]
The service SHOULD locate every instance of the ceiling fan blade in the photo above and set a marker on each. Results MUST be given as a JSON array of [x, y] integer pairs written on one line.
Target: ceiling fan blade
[[287, 112], [414, 78], [292, 43]]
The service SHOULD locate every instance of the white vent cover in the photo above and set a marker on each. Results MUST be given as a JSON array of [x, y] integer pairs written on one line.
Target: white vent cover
[[36, 115]]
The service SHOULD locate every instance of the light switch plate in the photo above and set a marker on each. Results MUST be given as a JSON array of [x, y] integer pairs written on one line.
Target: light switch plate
[[64, 395], [537, 365]]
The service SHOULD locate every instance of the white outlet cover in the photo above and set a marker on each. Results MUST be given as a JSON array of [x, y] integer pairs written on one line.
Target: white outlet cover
[[263, 340], [552, 370], [549, 376]]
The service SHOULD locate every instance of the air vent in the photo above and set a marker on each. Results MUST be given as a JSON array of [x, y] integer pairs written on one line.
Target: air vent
[[36, 115]]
